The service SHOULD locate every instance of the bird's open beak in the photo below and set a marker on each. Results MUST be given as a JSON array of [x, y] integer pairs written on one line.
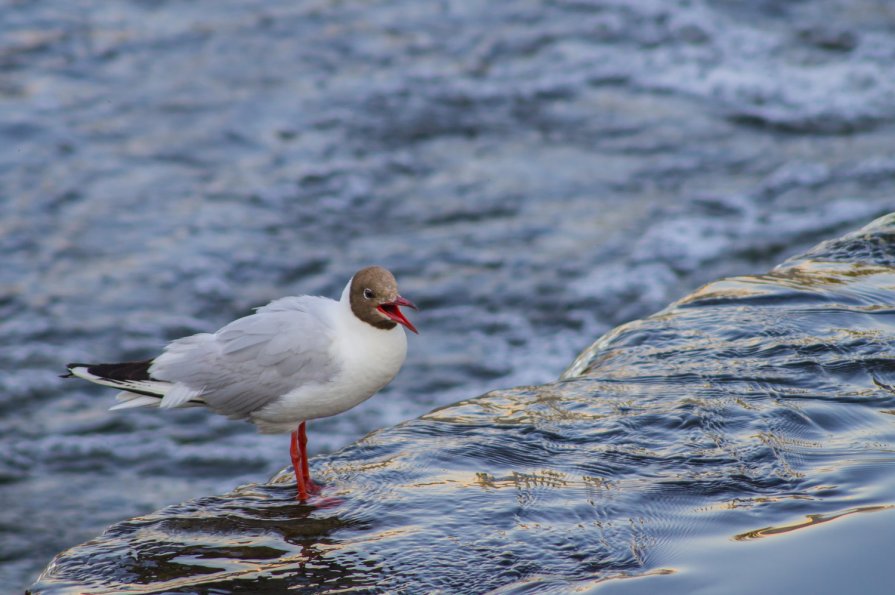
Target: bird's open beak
[[393, 311]]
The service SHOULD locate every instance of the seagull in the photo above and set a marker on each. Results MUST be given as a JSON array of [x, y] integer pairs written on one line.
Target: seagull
[[296, 359]]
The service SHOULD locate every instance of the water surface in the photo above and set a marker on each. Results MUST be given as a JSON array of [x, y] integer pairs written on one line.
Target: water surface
[[536, 173], [756, 408]]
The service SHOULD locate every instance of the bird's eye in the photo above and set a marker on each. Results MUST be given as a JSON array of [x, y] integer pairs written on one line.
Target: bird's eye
[[368, 293]]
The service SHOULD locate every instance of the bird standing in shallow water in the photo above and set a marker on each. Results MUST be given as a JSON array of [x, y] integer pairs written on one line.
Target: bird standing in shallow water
[[295, 359]]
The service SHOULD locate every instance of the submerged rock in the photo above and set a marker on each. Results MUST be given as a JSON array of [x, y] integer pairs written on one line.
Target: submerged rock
[[737, 412]]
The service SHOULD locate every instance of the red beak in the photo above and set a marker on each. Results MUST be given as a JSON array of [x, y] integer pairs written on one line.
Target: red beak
[[392, 310]]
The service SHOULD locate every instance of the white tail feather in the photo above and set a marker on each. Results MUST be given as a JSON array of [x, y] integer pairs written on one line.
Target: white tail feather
[[178, 395], [130, 400]]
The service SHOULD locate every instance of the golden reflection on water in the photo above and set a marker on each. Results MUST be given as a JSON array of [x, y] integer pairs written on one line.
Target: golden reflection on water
[[802, 276], [810, 521], [516, 480], [746, 503]]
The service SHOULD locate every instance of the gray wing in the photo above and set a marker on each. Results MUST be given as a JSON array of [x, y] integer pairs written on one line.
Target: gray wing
[[253, 360]]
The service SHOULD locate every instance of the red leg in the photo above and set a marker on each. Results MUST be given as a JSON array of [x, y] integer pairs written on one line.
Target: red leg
[[303, 448], [297, 466]]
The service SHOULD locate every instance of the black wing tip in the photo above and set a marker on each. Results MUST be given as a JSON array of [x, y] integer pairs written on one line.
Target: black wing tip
[[119, 371]]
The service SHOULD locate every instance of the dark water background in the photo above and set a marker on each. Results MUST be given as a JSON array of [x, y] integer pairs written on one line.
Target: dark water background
[[534, 173]]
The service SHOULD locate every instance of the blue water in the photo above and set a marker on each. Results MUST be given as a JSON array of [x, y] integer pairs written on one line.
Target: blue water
[[717, 446], [535, 174]]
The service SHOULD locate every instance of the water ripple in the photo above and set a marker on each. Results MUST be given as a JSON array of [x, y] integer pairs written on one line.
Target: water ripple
[[692, 423]]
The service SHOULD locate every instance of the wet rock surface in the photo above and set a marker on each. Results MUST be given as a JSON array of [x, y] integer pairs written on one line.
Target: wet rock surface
[[750, 404], [536, 173]]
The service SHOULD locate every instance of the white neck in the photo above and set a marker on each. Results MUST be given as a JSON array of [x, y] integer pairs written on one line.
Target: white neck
[[346, 297]]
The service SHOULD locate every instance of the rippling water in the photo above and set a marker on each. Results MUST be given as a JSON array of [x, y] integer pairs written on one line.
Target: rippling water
[[535, 172], [755, 407]]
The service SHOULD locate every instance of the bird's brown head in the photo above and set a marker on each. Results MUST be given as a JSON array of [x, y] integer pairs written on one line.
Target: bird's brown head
[[375, 299]]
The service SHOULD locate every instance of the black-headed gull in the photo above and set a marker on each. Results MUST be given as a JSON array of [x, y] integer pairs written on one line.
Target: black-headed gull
[[295, 359]]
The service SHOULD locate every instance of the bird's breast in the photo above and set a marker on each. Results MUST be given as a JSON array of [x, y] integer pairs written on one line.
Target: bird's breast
[[370, 359]]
